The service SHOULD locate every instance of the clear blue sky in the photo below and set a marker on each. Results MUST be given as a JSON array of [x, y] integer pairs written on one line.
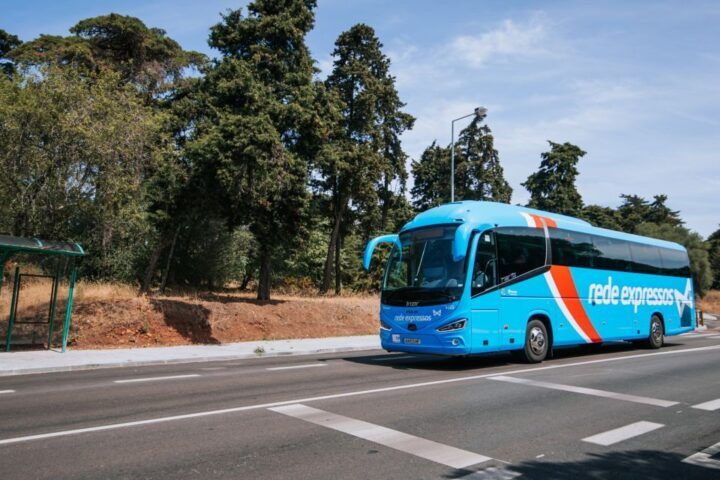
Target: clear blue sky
[[634, 83]]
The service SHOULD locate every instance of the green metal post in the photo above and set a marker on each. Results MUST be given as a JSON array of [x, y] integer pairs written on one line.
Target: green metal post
[[53, 302], [68, 309], [3, 258], [13, 309]]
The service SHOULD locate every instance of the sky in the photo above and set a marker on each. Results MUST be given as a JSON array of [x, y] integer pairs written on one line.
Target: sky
[[636, 84]]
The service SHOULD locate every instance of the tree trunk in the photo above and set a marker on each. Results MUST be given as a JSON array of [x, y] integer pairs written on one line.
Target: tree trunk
[[263, 292], [332, 247], [385, 195], [247, 276], [163, 283], [152, 266], [338, 273]]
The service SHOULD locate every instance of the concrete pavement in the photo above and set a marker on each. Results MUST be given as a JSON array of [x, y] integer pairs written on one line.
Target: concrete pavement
[[45, 361], [620, 412]]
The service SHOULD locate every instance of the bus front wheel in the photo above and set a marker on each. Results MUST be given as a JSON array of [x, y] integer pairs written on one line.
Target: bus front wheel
[[657, 333], [536, 342]]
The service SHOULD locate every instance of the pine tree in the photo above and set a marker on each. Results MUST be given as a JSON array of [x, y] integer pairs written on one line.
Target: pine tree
[[714, 254], [636, 210], [552, 187], [478, 173], [369, 157], [251, 145], [8, 42], [603, 217]]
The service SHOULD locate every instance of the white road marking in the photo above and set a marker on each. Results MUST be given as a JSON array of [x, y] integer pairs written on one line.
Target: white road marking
[[292, 367], [623, 433], [687, 336], [710, 406], [704, 458], [395, 357], [153, 379], [420, 447], [207, 413], [7, 391], [586, 391]]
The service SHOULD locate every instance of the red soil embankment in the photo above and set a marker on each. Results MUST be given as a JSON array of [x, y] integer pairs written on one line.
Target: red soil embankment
[[113, 316]]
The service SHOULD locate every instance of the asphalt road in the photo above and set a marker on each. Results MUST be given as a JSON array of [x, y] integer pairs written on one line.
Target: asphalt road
[[615, 412]]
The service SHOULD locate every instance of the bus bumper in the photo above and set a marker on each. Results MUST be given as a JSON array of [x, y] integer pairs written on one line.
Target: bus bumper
[[453, 343]]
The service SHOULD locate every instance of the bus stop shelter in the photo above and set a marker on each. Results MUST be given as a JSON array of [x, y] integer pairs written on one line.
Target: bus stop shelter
[[67, 255]]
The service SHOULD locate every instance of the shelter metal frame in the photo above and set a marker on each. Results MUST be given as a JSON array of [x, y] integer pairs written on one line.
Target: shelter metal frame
[[71, 252]]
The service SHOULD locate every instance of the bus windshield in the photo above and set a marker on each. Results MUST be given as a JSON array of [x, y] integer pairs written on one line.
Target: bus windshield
[[421, 271]]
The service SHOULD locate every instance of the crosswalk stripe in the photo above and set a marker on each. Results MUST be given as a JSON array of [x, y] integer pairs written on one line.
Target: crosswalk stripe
[[623, 433], [420, 447]]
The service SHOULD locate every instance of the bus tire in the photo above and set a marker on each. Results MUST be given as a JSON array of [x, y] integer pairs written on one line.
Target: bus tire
[[656, 338], [536, 342]]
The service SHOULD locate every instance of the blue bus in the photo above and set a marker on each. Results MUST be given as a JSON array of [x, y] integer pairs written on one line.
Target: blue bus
[[474, 277]]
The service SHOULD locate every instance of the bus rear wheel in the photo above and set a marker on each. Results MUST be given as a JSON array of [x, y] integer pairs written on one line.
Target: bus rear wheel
[[657, 333], [536, 342]]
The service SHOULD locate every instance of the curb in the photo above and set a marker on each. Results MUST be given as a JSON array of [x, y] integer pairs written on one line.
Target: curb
[[175, 361]]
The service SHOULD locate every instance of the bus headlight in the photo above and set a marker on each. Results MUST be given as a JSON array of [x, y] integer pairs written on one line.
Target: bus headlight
[[456, 325], [385, 326]]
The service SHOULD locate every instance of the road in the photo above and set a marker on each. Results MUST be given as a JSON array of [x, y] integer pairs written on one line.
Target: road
[[614, 412]]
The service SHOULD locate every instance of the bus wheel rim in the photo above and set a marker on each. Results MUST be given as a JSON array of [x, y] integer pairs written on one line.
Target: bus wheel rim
[[537, 340], [656, 332]]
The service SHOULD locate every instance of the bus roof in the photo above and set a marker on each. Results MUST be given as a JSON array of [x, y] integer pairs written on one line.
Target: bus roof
[[492, 214]]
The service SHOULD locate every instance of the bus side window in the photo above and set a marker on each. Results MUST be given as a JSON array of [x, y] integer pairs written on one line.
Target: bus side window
[[484, 274], [520, 250]]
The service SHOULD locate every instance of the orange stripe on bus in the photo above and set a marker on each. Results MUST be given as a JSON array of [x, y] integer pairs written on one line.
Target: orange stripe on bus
[[537, 220], [569, 296], [550, 222]]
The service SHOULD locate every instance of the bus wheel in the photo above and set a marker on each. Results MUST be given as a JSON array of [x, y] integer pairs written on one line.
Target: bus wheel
[[656, 338], [536, 342]]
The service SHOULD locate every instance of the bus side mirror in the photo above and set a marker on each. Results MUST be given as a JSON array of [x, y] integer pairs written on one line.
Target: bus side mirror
[[370, 248], [460, 242]]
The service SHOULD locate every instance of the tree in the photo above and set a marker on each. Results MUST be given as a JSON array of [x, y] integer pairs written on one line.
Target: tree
[[370, 158], [75, 151], [693, 242], [145, 57], [552, 187], [603, 217], [478, 173], [714, 254], [432, 177], [636, 210], [259, 99], [8, 42]]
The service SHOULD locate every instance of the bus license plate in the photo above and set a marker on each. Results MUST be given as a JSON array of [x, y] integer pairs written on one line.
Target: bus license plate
[[413, 341]]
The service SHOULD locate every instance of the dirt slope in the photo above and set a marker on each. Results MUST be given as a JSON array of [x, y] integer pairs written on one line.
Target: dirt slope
[[113, 316]]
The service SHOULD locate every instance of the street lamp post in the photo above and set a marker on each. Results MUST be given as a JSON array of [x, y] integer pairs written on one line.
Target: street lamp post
[[479, 112]]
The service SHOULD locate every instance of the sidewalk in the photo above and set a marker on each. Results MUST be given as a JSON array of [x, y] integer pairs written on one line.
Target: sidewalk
[[44, 361]]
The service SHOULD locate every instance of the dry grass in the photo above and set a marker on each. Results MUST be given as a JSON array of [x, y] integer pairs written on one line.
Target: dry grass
[[107, 315], [710, 303]]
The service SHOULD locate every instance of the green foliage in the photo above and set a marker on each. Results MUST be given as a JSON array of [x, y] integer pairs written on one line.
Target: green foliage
[[367, 158], [552, 187], [8, 42], [258, 97], [693, 242], [478, 173], [604, 217], [636, 210], [74, 151], [143, 56], [714, 255]]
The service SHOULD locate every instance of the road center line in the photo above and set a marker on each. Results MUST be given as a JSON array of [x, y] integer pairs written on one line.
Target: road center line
[[292, 367], [710, 406], [586, 391], [623, 433], [150, 421], [420, 447], [704, 458], [7, 391], [153, 379]]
